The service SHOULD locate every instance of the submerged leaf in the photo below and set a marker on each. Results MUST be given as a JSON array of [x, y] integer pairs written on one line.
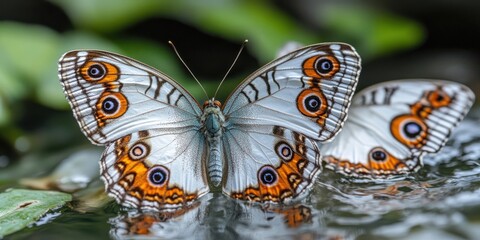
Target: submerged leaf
[[72, 174], [20, 208]]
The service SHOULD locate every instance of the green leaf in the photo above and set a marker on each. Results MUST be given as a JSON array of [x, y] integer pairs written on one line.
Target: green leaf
[[11, 90], [108, 15], [27, 49], [372, 32], [265, 26], [20, 208], [154, 55], [5, 115]]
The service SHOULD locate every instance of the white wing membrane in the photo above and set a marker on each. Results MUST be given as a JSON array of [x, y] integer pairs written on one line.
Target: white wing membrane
[[269, 164], [156, 169], [393, 124], [272, 95], [143, 97], [275, 116]]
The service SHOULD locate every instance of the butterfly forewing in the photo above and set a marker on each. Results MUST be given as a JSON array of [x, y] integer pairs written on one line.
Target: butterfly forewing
[[112, 96], [308, 90]]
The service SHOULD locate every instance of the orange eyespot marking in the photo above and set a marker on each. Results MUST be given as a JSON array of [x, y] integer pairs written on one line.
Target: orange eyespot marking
[[276, 184], [139, 151], [110, 105], [410, 130], [145, 182], [380, 163], [380, 160], [100, 72], [430, 101], [320, 66], [284, 151], [312, 103], [345, 166], [438, 98]]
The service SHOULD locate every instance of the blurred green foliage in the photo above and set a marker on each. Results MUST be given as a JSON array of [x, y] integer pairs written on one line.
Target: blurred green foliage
[[29, 52]]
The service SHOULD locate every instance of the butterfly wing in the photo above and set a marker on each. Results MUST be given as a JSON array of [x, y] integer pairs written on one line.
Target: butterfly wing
[[155, 169], [309, 90], [392, 125], [275, 116], [149, 124], [112, 96]]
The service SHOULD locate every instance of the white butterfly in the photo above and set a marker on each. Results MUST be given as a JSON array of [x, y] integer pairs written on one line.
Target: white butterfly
[[162, 146], [393, 124]]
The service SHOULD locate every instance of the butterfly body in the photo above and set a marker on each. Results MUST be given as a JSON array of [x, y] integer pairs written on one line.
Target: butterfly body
[[163, 149], [213, 122]]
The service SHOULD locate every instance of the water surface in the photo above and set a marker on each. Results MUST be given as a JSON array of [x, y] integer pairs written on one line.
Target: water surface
[[441, 201]]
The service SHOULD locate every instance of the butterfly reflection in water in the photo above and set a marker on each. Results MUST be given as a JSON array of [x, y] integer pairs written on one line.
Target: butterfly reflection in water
[[163, 148]]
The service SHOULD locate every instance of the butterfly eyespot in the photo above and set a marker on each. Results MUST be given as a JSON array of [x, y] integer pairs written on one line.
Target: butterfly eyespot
[[378, 155], [111, 105], [96, 71], [438, 99], [311, 102], [412, 129], [158, 176], [284, 151], [99, 72], [139, 151], [409, 130], [324, 65], [268, 176], [319, 67]]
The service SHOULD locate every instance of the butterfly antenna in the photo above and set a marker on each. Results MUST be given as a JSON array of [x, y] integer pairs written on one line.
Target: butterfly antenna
[[231, 66], [184, 64]]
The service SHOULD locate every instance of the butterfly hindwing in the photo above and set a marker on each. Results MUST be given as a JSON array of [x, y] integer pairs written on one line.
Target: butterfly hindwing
[[269, 164], [275, 116], [393, 124], [154, 169]]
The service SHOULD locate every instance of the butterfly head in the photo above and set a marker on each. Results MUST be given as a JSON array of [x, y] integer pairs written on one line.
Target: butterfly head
[[212, 118], [212, 103]]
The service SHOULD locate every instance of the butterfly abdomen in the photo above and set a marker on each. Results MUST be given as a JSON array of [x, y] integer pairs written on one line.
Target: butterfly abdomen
[[215, 164], [212, 126]]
